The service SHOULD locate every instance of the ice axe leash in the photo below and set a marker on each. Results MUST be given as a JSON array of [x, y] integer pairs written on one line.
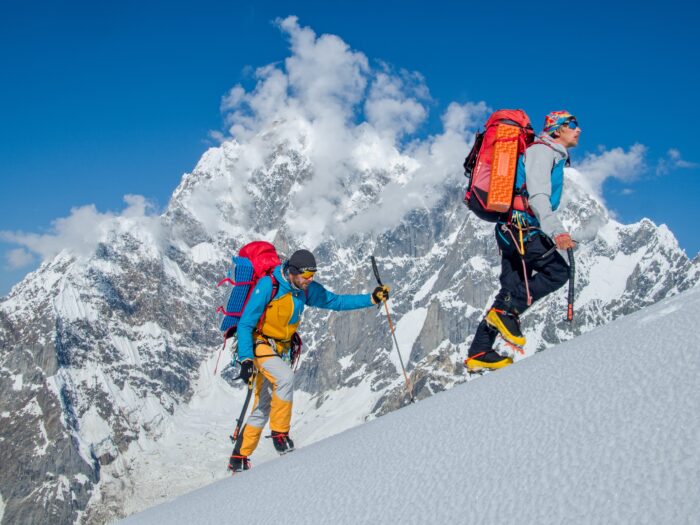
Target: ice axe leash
[[409, 386], [572, 276]]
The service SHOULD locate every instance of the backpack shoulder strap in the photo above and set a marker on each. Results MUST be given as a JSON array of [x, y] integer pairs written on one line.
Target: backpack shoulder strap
[[275, 288]]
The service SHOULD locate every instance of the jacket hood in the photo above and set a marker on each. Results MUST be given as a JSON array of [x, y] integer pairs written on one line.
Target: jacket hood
[[285, 286], [554, 145]]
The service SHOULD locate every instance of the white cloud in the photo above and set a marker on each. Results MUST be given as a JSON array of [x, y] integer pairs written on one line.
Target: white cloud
[[616, 163], [678, 162], [324, 74], [673, 160], [84, 228], [459, 118], [217, 136], [234, 97], [19, 258], [350, 119], [394, 103]]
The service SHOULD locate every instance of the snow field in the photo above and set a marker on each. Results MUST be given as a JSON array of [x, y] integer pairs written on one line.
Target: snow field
[[596, 430]]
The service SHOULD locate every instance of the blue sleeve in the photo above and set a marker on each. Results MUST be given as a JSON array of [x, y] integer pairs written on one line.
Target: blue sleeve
[[255, 307], [321, 298]]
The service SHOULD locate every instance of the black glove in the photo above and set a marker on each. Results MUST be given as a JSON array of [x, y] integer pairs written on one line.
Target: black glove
[[247, 369], [380, 293]]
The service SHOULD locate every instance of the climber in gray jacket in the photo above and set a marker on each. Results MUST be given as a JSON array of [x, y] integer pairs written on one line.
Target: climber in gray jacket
[[531, 267]]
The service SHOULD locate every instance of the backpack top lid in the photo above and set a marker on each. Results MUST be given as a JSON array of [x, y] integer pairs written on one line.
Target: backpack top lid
[[263, 257], [515, 116]]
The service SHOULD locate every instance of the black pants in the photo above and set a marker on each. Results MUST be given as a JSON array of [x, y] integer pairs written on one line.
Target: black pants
[[546, 272]]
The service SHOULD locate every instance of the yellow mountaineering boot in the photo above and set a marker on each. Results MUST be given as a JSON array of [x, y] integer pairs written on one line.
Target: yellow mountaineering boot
[[507, 324], [490, 360]]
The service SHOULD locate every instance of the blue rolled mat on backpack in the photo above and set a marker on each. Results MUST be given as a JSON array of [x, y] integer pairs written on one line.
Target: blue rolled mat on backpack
[[243, 272]]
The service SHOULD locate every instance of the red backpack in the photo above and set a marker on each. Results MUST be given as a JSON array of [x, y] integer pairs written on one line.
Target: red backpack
[[255, 260], [492, 163]]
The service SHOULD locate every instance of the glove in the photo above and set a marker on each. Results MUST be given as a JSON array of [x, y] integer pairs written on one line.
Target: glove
[[564, 241], [380, 293], [247, 370]]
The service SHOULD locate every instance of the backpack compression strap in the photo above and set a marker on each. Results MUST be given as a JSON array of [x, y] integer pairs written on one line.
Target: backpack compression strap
[[221, 309]]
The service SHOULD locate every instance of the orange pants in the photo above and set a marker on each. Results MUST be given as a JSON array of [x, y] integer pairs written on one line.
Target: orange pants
[[274, 390]]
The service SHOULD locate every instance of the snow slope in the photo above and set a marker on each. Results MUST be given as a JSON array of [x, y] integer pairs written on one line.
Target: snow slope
[[595, 430]]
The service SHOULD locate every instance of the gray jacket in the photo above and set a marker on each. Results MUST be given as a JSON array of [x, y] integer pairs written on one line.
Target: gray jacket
[[540, 163]]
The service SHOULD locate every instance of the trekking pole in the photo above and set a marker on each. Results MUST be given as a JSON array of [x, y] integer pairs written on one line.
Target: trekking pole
[[572, 276], [409, 386]]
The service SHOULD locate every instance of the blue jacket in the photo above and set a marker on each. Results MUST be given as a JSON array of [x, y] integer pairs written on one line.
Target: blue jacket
[[285, 309]]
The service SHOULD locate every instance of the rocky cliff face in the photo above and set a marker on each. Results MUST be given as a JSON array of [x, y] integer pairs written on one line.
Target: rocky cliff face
[[101, 353]]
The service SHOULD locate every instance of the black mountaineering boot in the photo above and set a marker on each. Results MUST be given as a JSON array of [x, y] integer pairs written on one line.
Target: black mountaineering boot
[[238, 463], [282, 441]]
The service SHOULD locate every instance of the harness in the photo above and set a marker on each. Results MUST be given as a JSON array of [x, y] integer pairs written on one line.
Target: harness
[[288, 350], [519, 242]]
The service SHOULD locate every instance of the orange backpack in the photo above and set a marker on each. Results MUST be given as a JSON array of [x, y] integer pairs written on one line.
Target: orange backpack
[[492, 163]]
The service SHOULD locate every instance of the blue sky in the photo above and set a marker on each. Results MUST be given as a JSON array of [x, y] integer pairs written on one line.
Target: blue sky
[[100, 100]]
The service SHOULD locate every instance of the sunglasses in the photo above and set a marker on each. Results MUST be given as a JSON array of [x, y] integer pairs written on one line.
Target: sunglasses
[[571, 124], [307, 272]]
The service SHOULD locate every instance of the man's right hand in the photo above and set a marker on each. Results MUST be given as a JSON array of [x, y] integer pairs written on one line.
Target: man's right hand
[[564, 241], [247, 370], [380, 293]]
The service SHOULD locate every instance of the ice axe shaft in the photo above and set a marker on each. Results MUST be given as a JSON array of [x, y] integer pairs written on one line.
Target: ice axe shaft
[[409, 386], [237, 435], [572, 276]]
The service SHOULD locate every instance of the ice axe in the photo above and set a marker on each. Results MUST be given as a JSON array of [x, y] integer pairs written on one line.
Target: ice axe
[[237, 436], [409, 386]]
